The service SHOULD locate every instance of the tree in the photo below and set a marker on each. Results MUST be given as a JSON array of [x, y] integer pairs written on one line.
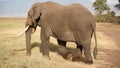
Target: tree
[[118, 5], [100, 6], [112, 13]]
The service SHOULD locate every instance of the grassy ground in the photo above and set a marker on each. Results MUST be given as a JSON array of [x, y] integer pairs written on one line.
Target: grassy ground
[[13, 53]]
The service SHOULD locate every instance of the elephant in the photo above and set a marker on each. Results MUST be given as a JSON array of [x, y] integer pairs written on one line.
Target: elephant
[[73, 55], [71, 23]]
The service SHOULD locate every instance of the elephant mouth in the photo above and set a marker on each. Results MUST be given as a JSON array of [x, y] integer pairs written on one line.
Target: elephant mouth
[[33, 28]]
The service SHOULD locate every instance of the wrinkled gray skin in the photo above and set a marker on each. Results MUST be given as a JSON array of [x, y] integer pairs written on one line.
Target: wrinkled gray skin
[[73, 23]]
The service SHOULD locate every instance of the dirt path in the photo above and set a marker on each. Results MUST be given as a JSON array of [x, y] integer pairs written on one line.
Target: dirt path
[[114, 33]]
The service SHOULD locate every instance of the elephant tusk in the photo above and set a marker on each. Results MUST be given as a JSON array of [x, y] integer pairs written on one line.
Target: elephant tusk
[[22, 32]]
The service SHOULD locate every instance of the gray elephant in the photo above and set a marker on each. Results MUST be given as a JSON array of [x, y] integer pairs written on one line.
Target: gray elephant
[[72, 23]]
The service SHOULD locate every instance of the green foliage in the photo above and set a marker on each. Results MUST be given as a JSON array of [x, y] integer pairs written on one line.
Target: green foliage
[[117, 6], [108, 18], [100, 6]]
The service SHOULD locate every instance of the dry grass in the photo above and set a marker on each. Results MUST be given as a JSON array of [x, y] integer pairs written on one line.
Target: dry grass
[[13, 53]]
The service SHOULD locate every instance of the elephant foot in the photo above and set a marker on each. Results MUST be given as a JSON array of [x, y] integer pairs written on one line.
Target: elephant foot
[[65, 53], [88, 61], [28, 53], [71, 57], [68, 56], [77, 56], [46, 57], [46, 54], [77, 59]]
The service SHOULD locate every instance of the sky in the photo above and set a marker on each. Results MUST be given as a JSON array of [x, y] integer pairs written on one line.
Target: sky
[[19, 8]]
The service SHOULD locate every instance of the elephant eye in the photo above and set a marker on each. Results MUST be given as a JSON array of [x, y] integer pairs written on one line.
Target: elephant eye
[[29, 16]]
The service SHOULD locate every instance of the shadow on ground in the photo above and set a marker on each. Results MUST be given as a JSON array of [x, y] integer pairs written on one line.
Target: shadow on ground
[[53, 47], [67, 53]]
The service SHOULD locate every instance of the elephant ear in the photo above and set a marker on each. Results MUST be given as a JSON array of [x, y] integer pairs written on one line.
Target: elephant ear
[[38, 10], [30, 12]]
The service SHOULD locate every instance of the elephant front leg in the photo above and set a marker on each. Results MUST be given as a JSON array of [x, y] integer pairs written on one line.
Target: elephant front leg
[[45, 41], [77, 53], [80, 47]]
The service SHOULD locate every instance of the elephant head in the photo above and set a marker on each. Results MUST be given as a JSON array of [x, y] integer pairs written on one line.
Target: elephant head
[[33, 18], [34, 15]]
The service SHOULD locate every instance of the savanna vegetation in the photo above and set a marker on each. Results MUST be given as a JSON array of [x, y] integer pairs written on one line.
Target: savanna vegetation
[[103, 13], [13, 50]]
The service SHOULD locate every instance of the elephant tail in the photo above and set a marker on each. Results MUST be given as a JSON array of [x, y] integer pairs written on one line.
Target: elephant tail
[[95, 49]]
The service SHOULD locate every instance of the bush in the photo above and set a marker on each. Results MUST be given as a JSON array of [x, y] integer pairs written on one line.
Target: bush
[[108, 18]]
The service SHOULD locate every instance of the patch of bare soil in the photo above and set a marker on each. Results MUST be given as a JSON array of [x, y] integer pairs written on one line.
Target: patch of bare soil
[[112, 31]]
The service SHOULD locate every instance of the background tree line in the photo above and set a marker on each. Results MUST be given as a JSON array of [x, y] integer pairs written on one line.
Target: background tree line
[[103, 13]]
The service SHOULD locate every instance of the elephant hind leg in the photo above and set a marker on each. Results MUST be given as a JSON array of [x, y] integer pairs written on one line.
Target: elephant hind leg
[[77, 53], [80, 47], [77, 56], [87, 54]]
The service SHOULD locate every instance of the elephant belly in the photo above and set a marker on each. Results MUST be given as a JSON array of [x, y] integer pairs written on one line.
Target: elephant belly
[[65, 36]]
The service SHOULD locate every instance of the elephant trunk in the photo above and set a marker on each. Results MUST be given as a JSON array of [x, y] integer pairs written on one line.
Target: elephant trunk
[[28, 40], [34, 29]]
